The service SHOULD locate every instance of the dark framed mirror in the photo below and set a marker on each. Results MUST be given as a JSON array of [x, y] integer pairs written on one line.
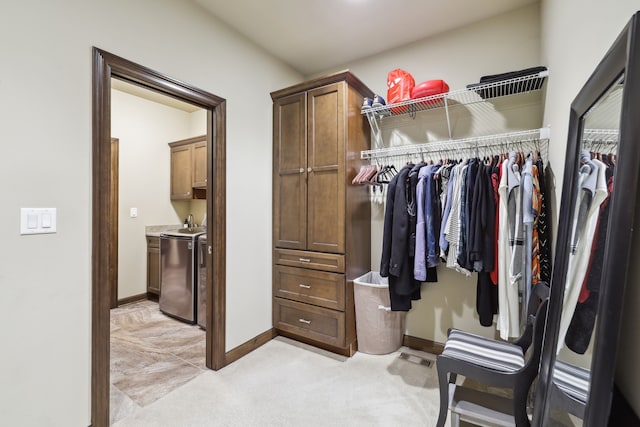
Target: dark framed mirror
[[599, 193]]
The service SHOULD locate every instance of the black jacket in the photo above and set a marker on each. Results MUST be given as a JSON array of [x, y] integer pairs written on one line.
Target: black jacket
[[397, 262]]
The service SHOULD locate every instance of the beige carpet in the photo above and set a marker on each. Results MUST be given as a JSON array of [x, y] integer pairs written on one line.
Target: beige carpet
[[285, 383]]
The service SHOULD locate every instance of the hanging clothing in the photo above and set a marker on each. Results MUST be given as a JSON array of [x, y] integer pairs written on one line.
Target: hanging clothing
[[420, 268], [453, 229], [496, 176], [471, 216], [544, 226], [446, 211], [583, 322], [536, 206], [592, 185], [428, 204], [508, 304], [397, 261]]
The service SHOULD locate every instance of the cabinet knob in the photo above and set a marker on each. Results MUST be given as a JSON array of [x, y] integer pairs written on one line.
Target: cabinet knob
[[304, 286], [188, 192], [309, 169], [306, 322], [301, 170]]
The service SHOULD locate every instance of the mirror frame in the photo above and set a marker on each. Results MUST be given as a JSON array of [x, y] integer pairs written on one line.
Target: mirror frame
[[622, 58]]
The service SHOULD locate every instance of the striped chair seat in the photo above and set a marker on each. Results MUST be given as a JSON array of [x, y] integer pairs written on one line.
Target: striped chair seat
[[572, 380], [497, 355]]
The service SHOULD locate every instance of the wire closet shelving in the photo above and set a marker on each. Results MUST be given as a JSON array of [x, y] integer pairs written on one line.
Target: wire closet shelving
[[473, 94], [526, 141], [600, 140]]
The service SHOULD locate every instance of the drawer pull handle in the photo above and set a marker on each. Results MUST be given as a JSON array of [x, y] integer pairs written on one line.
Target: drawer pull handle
[[304, 286], [308, 322], [305, 259], [382, 307]]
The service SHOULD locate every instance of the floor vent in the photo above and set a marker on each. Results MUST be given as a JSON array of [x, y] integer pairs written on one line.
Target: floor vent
[[418, 360]]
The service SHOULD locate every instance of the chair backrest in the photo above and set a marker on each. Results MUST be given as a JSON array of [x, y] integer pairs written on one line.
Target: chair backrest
[[536, 318]]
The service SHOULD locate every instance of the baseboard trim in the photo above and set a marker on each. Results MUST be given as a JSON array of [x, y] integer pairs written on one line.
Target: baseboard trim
[[422, 344], [349, 351], [132, 298], [246, 348]]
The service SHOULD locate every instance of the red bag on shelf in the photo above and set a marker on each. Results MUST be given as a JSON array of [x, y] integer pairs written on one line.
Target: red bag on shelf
[[428, 88], [399, 85]]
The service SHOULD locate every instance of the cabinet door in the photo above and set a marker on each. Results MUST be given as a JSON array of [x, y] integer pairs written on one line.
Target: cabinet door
[[153, 265], [181, 172], [289, 180], [326, 182], [199, 165]]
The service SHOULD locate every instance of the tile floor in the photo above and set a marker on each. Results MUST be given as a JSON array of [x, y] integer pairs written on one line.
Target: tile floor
[[151, 355]]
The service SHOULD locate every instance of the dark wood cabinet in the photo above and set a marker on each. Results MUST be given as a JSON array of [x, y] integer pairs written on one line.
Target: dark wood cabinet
[[153, 266], [189, 168], [321, 222], [199, 165]]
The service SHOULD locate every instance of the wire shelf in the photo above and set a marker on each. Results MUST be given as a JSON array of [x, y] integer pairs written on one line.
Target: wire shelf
[[473, 94], [601, 140], [521, 140]]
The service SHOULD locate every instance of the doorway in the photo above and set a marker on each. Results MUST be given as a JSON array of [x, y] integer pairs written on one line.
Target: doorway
[[105, 67]]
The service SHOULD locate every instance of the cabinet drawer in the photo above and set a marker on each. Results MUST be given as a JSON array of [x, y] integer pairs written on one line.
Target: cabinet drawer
[[313, 260], [316, 323], [153, 242], [309, 286]]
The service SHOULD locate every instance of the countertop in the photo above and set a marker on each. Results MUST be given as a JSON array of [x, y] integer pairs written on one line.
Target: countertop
[[155, 230]]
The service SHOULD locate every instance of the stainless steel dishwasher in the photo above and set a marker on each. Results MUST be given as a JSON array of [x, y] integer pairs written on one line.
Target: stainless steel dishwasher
[[178, 274]]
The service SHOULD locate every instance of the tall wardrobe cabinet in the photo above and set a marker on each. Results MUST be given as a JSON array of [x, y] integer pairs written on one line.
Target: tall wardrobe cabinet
[[321, 222]]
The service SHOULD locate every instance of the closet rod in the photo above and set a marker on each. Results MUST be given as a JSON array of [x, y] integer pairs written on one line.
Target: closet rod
[[603, 141], [601, 135], [475, 143]]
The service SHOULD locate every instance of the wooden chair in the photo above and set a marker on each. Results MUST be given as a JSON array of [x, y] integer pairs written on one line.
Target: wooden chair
[[496, 363]]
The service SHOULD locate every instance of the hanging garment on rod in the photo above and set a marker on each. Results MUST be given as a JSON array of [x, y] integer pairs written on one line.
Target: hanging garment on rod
[[397, 263], [458, 223], [592, 183], [580, 329]]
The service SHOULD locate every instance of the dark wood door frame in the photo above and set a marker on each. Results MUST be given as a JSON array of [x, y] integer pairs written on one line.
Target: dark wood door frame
[[106, 66], [113, 241]]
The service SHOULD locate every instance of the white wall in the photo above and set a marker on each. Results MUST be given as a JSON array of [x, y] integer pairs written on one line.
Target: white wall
[[45, 115], [144, 128], [503, 43], [573, 48]]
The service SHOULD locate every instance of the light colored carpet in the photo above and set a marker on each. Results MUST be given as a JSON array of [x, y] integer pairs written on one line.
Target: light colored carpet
[[286, 383]]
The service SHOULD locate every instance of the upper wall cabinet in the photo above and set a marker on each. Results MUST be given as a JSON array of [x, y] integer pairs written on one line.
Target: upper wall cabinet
[[189, 168]]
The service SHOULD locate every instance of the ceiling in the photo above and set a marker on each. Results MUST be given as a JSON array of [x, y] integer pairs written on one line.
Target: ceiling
[[313, 36]]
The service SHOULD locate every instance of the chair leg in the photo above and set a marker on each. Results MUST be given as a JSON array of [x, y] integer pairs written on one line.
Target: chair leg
[[455, 420], [520, 406], [443, 383]]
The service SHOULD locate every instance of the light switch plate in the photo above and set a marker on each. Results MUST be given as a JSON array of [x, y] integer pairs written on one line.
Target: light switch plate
[[37, 220], [133, 212]]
